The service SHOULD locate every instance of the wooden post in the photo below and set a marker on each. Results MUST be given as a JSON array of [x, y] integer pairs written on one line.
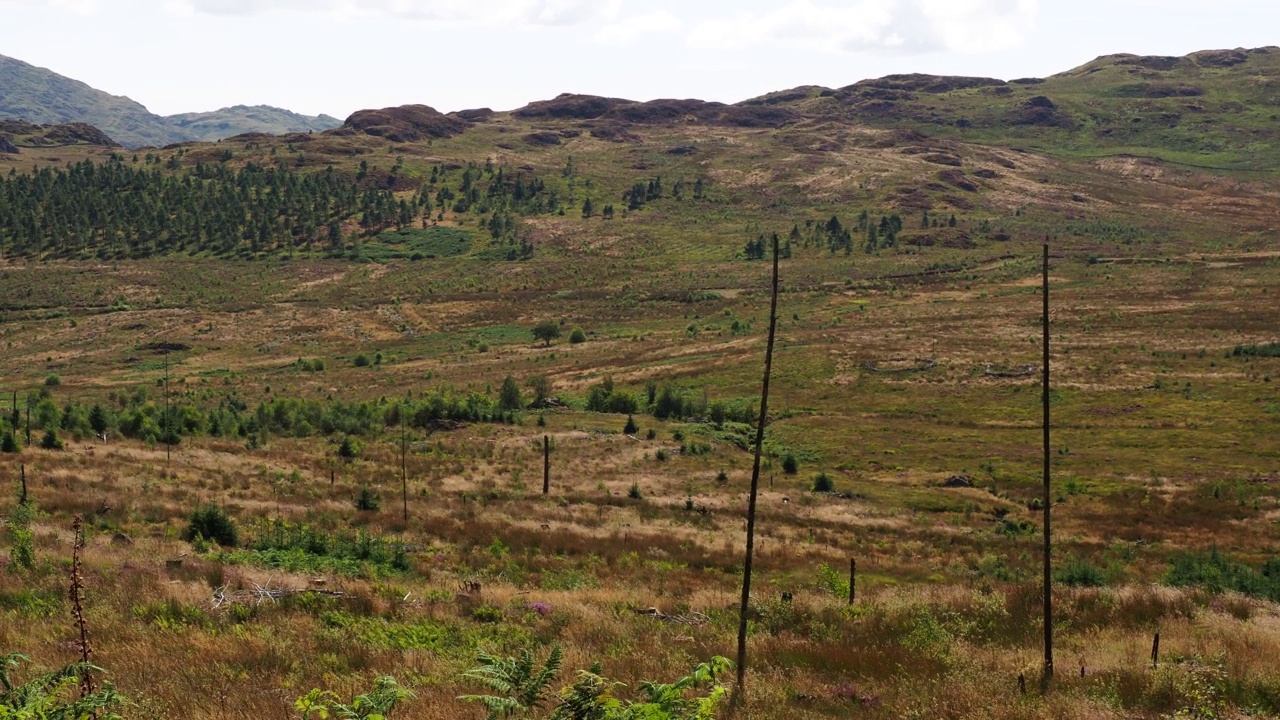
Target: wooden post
[[1022, 683], [404, 467], [1155, 652], [738, 691], [167, 426], [1048, 537], [331, 474], [546, 464], [853, 580], [22, 499], [28, 421]]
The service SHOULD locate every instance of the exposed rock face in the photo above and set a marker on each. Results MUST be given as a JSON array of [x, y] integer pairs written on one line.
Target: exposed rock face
[[926, 83], [569, 105], [1149, 62], [475, 115], [1220, 58], [542, 139], [1041, 111], [657, 112], [53, 135], [407, 123], [7, 146]]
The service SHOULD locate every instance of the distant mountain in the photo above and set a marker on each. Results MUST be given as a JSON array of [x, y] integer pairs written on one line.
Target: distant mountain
[[231, 121], [44, 97]]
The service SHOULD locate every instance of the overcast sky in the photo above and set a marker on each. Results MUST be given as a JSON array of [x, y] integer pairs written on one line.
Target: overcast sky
[[338, 56]]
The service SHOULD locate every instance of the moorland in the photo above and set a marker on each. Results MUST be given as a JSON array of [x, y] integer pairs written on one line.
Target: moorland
[[301, 388]]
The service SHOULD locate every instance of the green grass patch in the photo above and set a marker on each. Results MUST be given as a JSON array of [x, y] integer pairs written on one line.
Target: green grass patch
[[1217, 573], [418, 244]]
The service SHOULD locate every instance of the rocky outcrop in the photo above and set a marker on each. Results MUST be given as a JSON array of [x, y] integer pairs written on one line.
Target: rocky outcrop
[[407, 123]]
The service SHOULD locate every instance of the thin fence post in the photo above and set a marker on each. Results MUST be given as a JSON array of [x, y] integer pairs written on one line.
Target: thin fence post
[[404, 467], [546, 464], [22, 500], [853, 580], [1155, 652]]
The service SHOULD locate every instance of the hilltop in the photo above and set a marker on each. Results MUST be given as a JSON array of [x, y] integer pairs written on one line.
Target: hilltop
[[41, 96]]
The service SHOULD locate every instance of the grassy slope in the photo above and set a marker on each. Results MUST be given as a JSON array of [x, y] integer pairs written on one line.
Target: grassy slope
[[1196, 111]]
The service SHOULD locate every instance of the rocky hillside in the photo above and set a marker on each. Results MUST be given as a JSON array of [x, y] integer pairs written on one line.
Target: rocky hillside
[[17, 134], [43, 97], [1213, 109]]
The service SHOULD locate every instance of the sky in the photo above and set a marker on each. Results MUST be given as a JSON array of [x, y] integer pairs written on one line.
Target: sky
[[339, 56]]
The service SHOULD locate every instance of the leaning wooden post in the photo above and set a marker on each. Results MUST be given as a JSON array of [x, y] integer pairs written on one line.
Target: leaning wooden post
[[22, 499], [1155, 652], [755, 486], [1048, 540], [853, 580], [546, 464]]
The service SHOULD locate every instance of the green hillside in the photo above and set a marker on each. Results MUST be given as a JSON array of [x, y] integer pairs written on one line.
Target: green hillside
[[1213, 109], [43, 97]]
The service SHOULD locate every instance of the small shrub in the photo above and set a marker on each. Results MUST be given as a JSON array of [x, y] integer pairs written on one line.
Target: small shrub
[[9, 443], [652, 434], [577, 337], [634, 493], [822, 483], [362, 360], [51, 441], [53, 380], [661, 455], [722, 477], [790, 465], [212, 523], [1077, 572], [631, 428], [348, 450], [367, 500], [487, 614], [22, 551]]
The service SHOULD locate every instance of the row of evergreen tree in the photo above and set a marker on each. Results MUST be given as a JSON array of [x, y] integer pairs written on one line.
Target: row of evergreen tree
[[117, 210], [139, 416]]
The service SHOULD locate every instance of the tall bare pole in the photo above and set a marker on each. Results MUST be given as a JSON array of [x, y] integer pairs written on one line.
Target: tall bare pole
[[404, 467], [168, 427], [755, 484], [1048, 540]]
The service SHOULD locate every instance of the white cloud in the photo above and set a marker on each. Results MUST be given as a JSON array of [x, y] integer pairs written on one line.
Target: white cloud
[[82, 7], [627, 30], [500, 12], [891, 25]]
